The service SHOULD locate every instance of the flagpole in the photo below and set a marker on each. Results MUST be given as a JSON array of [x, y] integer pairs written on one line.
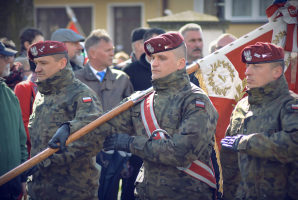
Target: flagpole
[[86, 129], [73, 18]]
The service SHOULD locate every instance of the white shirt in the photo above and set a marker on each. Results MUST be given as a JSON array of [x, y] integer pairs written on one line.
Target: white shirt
[[95, 72]]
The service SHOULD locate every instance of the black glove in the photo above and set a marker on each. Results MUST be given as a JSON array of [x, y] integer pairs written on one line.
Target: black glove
[[120, 142], [60, 137], [231, 142], [30, 171]]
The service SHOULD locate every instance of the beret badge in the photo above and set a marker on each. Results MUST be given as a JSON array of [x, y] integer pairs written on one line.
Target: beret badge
[[247, 55], [149, 48], [34, 51]]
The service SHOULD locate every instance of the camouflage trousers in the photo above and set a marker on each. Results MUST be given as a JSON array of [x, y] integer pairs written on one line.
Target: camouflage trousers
[[44, 190], [170, 193]]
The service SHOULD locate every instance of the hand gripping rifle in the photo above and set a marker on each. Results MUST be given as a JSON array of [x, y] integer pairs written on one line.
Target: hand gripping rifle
[[86, 129]]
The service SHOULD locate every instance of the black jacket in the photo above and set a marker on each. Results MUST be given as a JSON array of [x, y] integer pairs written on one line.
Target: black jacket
[[139, 73]]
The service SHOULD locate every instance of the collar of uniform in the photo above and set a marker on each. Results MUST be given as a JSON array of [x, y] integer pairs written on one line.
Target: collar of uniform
[[57, 81], [172, 82], [268, 92]]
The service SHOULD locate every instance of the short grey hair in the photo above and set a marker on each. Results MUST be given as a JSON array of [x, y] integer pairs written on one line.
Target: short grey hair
[[280, 63], [189, 27], [95, 37]]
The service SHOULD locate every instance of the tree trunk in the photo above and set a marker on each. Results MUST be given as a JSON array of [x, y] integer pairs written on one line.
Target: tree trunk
[[15, 15]]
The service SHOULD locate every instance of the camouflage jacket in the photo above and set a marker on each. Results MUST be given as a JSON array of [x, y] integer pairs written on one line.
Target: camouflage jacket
[[60, 101], [191, 129], [265, 167]]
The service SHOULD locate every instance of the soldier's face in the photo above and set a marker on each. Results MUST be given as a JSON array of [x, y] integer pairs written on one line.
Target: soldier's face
[[194, 44], [165, 63], [259, 75], [47, 66]]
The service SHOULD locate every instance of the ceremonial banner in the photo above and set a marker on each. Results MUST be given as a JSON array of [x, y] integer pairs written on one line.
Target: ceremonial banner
[[223, 71]]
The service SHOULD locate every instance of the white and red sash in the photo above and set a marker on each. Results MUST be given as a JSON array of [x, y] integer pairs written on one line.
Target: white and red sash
[[197, 169]]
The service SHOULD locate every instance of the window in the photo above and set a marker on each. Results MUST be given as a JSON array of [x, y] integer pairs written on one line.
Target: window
[[50, 18], [246, 11]]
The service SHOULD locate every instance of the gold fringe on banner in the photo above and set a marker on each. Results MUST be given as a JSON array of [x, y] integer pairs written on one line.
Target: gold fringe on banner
[[199, 76]]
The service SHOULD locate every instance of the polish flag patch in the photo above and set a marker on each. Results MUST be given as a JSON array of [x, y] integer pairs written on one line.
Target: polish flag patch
[[200, 104], [295, 106], [87, 99]]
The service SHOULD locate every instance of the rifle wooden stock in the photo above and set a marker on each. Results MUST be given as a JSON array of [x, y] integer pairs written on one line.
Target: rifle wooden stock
[[86, 129]]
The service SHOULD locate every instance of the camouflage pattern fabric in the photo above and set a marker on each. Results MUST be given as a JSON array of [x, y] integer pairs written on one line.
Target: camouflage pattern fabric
[[73, 174], [266, 167], [191, 130]]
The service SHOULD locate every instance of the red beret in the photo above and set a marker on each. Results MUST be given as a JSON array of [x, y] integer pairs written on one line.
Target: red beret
[[262, 52], [46, 48], [163, 42]]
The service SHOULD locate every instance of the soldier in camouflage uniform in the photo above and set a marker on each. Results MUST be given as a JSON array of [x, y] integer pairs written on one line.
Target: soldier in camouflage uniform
[[188, 119], [62, 105], [260, 151]]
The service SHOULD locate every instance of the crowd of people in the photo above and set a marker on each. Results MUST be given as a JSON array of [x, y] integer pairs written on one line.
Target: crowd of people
[[163, 146]]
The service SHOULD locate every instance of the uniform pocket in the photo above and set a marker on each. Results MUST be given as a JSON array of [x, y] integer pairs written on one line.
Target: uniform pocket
[[56, 119]]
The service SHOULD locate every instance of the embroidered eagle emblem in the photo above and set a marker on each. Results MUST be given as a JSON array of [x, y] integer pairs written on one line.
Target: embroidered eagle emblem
[[149, 48], [34, 51], [247, 55]]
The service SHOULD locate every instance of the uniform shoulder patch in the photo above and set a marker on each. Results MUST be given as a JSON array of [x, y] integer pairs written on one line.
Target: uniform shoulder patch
[[295, 106], [87, 99], [200, 104]]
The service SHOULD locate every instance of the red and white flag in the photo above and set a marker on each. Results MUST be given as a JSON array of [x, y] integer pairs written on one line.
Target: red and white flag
[[223, 71]]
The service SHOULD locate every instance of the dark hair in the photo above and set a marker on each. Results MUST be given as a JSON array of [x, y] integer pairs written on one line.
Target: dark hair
[[28, 34], [32, 65], [149, 34]]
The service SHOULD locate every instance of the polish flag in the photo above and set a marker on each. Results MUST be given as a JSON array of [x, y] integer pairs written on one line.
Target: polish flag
[[87, 99]]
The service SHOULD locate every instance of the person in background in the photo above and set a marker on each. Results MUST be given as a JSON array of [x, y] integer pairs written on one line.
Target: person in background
[[120, 57], [26, 66], [111, 85], [29, 36], [136, 45], [223, 40], [16, 74], [26, 92], [193, 36], [140, 70], [72, 41], [212, 46], [13, 136]]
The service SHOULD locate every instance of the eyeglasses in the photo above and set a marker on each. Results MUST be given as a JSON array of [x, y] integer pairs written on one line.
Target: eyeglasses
[[6, 58]]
